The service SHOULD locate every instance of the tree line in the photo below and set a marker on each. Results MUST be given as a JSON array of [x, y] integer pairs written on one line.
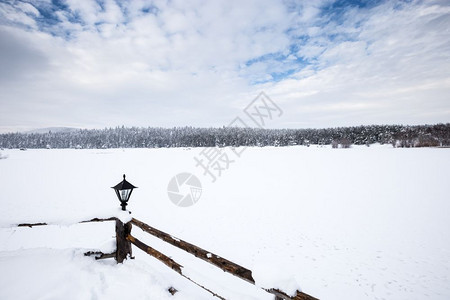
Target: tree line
[[152, 137]]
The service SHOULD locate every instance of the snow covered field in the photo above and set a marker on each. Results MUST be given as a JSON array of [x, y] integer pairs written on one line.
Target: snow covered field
[[360, 223]]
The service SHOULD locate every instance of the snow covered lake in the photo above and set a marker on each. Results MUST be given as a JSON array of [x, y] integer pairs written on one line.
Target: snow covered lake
[[360, 223]]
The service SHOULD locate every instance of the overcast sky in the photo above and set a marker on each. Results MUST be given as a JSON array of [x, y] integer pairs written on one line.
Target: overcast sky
[[96, 64]]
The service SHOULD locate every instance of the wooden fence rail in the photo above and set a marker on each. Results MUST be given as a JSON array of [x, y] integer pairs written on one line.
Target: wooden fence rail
[[220, 262], [167, 261], [124, 239]]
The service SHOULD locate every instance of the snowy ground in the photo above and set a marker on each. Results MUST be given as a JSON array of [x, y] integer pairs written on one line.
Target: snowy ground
[[360, 223]]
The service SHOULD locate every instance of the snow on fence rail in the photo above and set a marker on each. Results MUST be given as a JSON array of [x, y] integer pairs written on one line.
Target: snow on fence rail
[[124, 239]]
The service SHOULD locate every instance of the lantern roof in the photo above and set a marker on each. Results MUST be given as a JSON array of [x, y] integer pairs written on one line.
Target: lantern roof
[[124, 185]]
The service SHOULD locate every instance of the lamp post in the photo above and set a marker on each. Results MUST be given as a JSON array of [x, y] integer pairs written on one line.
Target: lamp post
[[123, 191], [123, 246]]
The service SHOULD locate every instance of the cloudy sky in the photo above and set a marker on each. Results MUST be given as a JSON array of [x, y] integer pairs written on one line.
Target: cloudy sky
[[106, 63]]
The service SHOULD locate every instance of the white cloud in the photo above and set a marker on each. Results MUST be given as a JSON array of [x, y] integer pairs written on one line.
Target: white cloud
[[17, 15], [197, 63], [394, 69], [28, 8]]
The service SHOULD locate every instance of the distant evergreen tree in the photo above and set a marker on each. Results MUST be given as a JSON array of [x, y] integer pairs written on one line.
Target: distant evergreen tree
[[156, 137]]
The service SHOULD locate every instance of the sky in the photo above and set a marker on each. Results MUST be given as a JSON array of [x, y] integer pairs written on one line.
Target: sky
[[166, 63]]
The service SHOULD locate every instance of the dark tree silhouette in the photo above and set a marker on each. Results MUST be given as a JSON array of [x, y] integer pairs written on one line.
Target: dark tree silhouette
[[156, 137]]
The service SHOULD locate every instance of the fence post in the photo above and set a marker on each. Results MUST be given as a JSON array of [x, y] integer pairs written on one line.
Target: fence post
[[123, 246]]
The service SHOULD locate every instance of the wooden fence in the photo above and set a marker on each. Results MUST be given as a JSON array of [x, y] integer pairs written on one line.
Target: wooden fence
[[124, 240]]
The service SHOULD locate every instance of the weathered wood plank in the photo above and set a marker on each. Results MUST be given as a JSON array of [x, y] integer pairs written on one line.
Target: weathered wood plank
[[168, 262], [156, 254], [123, 245], [220, 262], [99, 220], [100, 255], [303, 296], [280, 295], [107, 255], [31, 224]]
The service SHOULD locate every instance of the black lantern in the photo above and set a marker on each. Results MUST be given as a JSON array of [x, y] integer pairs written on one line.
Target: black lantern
[[123, 191]]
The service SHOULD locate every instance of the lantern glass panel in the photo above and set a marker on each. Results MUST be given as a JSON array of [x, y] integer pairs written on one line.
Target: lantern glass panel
[[125, 194]]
